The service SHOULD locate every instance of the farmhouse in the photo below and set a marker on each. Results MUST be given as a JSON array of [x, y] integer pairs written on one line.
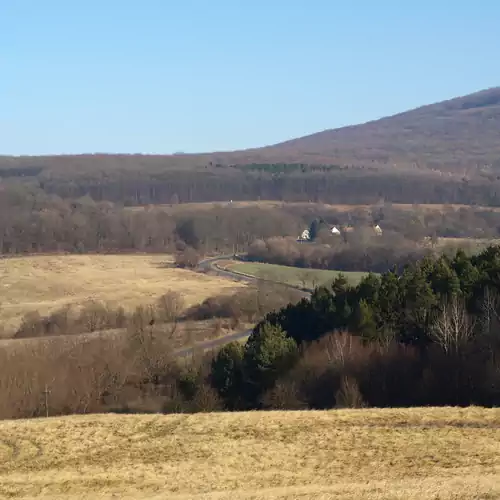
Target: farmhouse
[[305, 235], [335, 231]]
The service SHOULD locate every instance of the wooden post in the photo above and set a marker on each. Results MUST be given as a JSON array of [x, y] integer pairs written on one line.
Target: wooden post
[[46, 392]]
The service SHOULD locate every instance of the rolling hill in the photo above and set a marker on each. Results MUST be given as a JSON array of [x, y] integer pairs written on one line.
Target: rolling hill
[[461, 135], [407, 454]]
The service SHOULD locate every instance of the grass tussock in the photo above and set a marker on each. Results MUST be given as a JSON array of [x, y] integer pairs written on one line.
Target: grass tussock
[[444, 453], [48, 283]]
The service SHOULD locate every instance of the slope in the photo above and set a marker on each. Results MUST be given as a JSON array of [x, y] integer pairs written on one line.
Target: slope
[[460, 133], [406, 454]]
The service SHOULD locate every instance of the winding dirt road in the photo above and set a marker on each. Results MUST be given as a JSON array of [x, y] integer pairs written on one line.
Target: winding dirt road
[[210, 265]]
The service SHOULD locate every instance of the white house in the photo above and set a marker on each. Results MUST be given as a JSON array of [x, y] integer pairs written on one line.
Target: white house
[[334, 230], [377, 229], [305, 236]]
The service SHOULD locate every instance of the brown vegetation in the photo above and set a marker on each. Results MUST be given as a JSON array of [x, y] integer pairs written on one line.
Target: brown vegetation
[[44, 284], [187, 258], [336, 207], [361, 254], [458, 135], [133, 366], [32, 222], [409, 454]]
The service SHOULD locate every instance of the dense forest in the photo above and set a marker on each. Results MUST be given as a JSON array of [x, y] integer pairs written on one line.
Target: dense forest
[[138, 180], [227, 183]]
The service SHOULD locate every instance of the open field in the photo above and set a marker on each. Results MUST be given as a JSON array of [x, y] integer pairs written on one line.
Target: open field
[[474, 245], [406, 454], [270, 204], [296, 276], [46, 283]]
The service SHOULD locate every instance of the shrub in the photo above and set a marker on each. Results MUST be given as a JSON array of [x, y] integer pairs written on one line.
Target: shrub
[[349, 395], [187, 258]]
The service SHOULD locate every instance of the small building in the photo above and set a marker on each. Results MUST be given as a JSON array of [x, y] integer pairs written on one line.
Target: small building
[[305, 236], [334, 231], [378, 230]]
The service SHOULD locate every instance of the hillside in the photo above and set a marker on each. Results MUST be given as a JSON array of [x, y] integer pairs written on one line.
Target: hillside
[[458, 135], [406, 454]]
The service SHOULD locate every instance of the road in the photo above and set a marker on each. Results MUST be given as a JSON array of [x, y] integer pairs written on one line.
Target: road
[[210, 264], [212, 344], [207, 265]]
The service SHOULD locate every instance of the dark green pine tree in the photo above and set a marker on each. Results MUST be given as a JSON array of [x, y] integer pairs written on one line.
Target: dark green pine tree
[[268, 355], [226, 375], [365, 324]]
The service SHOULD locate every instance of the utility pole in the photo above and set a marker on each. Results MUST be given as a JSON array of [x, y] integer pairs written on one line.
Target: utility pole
[[46, 392]]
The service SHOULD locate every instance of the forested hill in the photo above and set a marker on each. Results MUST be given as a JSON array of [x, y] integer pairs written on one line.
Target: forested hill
[[461, 135], [457, 135], [442, 153]]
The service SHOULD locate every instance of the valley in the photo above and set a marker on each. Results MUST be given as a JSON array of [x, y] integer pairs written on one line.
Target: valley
[[164, 336]]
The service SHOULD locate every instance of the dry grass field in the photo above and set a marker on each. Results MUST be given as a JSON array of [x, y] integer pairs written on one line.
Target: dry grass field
[[46, 283], [406, 454], [270, 204], [475, 244]]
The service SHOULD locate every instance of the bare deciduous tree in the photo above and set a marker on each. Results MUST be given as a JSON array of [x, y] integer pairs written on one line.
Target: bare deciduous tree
[[149, 349], [490, 312], [453, 327], [338, 347], [188, 258], [349, 394], [170, 306]]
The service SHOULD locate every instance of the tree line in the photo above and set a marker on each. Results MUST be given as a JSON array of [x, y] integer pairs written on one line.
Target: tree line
[[370, 254], [140, 180], [427, 335], [332, 186], [32, 221]]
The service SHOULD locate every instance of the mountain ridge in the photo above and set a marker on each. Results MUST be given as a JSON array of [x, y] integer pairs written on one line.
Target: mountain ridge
[[459, 135], [462, 132]]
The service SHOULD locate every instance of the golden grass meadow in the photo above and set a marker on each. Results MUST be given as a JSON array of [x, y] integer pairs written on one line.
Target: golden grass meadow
[[45, 283], [271, 204], [431, 453]]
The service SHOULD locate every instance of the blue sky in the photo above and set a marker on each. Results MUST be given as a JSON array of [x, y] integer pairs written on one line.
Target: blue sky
[[160, 76]]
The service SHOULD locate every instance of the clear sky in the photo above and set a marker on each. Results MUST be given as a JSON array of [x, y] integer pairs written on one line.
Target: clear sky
[[162, 76]]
